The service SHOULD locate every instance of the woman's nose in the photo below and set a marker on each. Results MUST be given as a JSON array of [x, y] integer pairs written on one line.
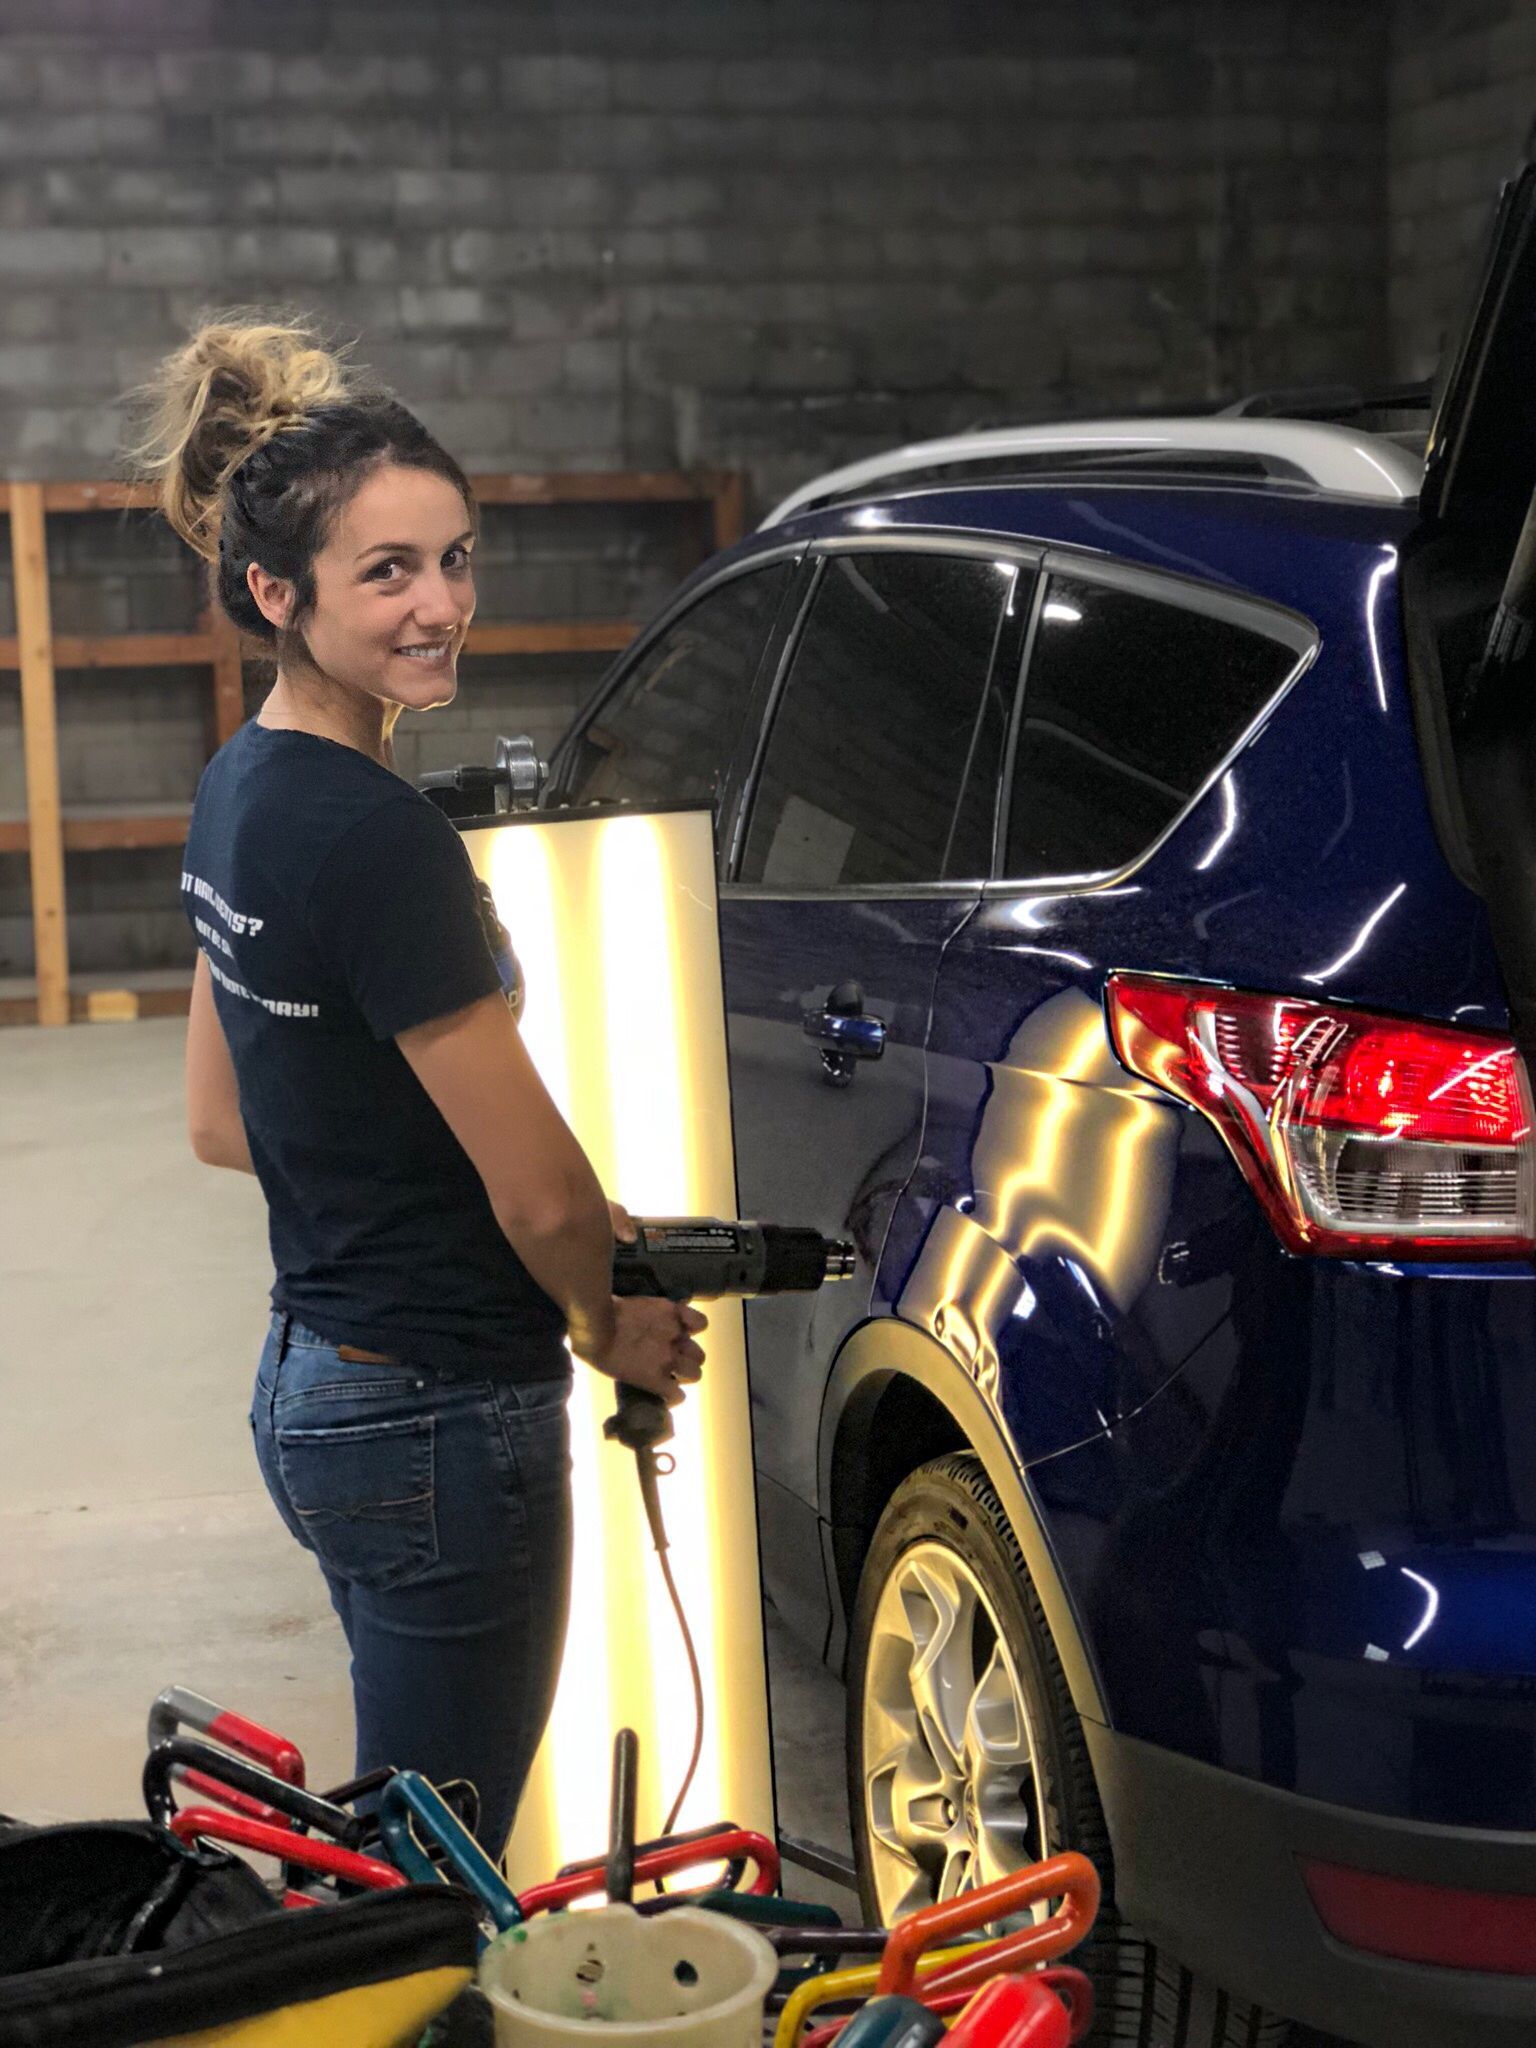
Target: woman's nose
[[441, 604]]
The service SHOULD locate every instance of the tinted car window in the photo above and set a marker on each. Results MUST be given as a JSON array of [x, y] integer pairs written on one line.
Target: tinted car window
[[873, 732], [1129, 704], [666, 733]]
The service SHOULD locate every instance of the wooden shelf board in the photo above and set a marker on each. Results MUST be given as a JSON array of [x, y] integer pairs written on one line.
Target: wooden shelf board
[[121, 650], [149, 992], [101, 828], [191, 650], [552, 636]]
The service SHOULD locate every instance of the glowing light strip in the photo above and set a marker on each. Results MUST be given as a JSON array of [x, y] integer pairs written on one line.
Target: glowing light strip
[[651, 1118], [570, 1797], [614, 922]]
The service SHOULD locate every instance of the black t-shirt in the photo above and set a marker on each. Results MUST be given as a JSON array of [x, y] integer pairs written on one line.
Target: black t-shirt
[[336, 907]]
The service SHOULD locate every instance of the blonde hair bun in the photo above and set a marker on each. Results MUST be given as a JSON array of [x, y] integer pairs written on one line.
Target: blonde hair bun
[[236, 384]]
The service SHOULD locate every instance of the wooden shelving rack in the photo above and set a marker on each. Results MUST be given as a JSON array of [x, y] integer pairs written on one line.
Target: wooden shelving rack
[[47, 831]]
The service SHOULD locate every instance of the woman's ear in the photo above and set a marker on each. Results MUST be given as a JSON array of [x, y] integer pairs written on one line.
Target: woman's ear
[[273, 594]]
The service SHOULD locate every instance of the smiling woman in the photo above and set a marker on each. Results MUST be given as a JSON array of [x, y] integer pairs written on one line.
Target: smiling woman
[[436, 1229]]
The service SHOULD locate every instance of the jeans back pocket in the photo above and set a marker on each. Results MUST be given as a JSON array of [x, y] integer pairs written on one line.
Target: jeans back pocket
[[364, 1494]]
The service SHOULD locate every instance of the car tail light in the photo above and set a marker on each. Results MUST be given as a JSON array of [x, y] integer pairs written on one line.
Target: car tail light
[[1358, 1133], [1418, 1922]]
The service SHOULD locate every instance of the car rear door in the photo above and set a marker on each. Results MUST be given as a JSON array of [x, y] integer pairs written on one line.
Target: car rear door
[[1033, 1244], [855, 862]]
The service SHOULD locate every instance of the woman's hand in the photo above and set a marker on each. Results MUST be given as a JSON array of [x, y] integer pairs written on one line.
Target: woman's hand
[[624, 1226], [652, 1346]]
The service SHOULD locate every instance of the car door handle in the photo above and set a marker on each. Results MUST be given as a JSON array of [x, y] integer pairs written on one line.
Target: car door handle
[[856, 1038], [846, 1033]]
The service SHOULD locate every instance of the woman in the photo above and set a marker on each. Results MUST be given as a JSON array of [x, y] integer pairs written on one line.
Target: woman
[[437, 1231]]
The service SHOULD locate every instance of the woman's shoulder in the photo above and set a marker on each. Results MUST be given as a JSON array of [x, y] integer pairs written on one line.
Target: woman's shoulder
[[295, 800]]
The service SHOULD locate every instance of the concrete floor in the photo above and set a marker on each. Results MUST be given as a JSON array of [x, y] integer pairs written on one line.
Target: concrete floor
[[137, 1544]]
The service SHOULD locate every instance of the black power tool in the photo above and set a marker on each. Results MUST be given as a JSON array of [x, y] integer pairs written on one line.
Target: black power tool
[[701, 1258]]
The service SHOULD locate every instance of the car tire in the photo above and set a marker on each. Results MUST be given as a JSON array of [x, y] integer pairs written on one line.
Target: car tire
[[945, 1592]]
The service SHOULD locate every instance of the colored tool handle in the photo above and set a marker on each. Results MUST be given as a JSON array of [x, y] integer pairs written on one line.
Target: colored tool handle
[[1013, 2012], [1069, 1877], [293, 1801], [893, 2023], [459, 1793], [178, 1707], [303, 1852], [208, 1787], [706, 1833], [410, 1803], [1069, 1985], [684, 1854]]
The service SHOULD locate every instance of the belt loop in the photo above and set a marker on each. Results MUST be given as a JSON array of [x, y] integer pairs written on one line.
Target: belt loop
[[283, 1321]]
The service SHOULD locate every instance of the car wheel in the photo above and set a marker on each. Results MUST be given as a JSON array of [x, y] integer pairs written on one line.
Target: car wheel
[[966, 1758]]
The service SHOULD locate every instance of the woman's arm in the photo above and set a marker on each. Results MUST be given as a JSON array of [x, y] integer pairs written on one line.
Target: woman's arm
[[213, 1095], [545, 1195], [541, 1185]]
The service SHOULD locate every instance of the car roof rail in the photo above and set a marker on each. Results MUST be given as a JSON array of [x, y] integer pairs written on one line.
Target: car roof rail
[[1337, 460], [1336, 402]]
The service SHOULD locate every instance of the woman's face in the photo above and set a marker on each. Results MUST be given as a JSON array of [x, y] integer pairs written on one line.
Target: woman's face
[[394, 590]]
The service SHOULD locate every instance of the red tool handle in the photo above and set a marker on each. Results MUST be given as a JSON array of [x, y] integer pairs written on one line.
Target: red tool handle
[[179, 1707], [1013, 2012], [209, 1787], [305, 1852], [1070, 1878], [663, 1862]]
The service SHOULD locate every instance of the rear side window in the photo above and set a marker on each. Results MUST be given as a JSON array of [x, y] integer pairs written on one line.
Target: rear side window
[[1129, 704], [875, 725], [667, 731]]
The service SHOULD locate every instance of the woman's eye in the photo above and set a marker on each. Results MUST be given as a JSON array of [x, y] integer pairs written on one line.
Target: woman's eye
[[456, 558], [380, 572]]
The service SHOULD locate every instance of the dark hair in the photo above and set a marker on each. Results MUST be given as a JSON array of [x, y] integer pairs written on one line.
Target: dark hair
[[259, 438]]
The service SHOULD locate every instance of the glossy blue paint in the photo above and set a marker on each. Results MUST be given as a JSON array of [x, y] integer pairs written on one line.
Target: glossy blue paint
[[1311, 1558], [1217, 1432]]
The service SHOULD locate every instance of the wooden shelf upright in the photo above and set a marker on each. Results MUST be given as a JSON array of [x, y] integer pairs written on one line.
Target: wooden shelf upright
[[36, 653]]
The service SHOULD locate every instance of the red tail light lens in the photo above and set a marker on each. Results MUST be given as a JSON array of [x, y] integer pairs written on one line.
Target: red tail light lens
[[1358, 1133]]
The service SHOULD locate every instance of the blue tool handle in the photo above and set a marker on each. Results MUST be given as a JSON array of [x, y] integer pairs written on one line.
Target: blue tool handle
[[410, 1803]]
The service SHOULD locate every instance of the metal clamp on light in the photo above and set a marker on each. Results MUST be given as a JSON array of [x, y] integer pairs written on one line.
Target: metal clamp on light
[[475, 791]]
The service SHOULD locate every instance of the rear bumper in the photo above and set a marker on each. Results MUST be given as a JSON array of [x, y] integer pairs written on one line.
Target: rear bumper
[[1207, 1865]]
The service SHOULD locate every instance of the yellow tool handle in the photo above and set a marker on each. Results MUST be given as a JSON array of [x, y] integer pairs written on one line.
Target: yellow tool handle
[[851, 1983]]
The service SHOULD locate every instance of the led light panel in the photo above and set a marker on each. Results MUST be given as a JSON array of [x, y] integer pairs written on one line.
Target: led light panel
[[614, 920]]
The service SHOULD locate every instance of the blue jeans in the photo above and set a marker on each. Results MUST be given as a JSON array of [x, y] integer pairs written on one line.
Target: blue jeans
[[439, 1510]]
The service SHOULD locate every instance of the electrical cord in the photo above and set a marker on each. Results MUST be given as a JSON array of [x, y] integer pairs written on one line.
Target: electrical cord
[[651, 1468]]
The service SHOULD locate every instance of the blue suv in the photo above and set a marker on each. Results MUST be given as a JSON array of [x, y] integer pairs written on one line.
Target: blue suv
[[1128, 869]]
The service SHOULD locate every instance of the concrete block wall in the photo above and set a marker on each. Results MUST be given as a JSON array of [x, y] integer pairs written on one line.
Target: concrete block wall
[[766, 234], [1462, 111], [757, 232]]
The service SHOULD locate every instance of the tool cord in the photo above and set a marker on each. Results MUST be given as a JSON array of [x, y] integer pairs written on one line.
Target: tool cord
[[651, 1468]]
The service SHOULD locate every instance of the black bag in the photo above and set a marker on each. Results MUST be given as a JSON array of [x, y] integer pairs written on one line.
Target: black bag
[[116, 1934]]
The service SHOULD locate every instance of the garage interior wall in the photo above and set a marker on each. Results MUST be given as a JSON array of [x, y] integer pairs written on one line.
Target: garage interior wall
[[756, 234]]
